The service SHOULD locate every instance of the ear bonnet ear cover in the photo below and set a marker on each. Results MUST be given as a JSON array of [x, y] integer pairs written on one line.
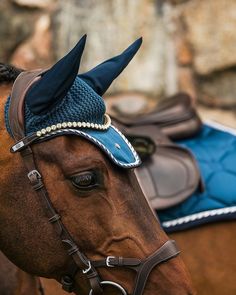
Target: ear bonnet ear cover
[[101, 77], [62, 99]]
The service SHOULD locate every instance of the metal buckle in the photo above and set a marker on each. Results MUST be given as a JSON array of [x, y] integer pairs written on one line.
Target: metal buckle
[[117, 286], [86, 270], [34, 173], [108, 261], [16, 147]]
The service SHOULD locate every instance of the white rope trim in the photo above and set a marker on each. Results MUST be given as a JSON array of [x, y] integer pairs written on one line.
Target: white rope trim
[[198, 216], [102, 146], [128, 143], [64, 125], [220, 127]]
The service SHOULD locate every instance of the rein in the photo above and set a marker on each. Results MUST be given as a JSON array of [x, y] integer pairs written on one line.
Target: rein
[[79, 261]]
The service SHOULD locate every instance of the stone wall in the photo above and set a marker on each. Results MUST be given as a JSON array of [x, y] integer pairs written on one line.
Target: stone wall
[[25, 32], [205, 43], [188, 45]]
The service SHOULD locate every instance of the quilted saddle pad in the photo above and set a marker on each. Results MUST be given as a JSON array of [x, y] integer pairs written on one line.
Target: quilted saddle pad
[[215, 150]]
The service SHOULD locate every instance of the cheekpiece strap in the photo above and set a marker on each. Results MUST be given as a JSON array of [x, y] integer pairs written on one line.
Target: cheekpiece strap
[[79, 261]]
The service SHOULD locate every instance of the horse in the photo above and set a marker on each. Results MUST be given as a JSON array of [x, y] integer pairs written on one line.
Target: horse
[[14, 281], [208, 251], [79, 215], [207, 243]]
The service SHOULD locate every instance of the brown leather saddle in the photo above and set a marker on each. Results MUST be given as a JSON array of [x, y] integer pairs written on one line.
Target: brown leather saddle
[[169, 173]]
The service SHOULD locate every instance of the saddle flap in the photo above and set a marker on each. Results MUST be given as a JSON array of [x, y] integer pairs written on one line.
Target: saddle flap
[[170, 174], [169, 177]]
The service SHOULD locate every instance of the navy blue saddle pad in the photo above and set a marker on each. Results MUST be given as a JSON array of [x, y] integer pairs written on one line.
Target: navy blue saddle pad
[[215, 150]]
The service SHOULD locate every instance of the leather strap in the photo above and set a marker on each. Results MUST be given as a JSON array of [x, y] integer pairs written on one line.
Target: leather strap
[[167, 251], [112, 261], [16, 111], [80, 260], [142, 267]]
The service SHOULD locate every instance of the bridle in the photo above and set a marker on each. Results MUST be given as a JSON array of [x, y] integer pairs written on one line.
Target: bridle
[[79, 261]]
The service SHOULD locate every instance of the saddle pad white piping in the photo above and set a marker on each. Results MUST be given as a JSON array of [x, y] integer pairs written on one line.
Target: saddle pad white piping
[[220, 126], [198, 216]]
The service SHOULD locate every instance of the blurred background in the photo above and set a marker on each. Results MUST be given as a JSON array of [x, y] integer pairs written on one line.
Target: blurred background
[[188, 46]]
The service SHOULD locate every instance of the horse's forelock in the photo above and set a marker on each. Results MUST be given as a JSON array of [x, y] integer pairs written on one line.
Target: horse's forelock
[[8, 73]]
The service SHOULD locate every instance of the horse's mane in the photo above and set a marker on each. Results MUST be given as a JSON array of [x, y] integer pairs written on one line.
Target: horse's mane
[[8, 73]]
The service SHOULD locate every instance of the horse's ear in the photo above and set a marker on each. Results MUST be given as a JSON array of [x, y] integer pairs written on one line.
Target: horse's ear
[[56, 82], [101, 77]]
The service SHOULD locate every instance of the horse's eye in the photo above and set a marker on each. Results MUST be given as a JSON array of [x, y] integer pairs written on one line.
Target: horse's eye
[[85, 180]]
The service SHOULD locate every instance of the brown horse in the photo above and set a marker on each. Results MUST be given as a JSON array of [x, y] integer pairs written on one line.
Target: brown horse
[[105, 212], [209, 253], [14, 281]]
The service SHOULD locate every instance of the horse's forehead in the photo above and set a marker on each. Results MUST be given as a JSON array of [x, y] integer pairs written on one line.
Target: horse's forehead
[[64, 148]]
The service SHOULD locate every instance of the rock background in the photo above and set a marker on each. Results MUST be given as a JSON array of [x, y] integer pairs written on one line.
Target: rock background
[[206, 41], [188, 45]]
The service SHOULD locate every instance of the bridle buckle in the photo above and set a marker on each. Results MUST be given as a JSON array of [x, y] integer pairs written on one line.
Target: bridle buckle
[[86, 270], [35, 179], [108, 261], [34, 173]]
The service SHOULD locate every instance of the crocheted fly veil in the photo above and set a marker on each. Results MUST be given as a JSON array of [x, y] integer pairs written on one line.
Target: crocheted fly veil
[[62, 102]]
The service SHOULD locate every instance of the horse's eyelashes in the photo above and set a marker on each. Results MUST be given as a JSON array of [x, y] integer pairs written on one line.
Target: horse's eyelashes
[[85, 180]]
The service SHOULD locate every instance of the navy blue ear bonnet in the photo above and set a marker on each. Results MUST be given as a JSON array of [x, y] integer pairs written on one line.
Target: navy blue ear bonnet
[[63, 102], [81, 103]]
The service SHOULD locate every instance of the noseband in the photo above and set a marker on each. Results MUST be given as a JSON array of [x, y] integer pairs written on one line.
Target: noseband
[[79, 262]]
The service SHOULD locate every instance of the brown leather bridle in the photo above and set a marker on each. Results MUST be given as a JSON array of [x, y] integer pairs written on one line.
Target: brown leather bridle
[[79, 261]]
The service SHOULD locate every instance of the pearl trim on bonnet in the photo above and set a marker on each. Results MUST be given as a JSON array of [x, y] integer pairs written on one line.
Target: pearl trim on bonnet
[[63, 125]]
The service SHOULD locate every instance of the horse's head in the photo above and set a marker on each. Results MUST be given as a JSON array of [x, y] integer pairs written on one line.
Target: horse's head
[[88, 203]]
